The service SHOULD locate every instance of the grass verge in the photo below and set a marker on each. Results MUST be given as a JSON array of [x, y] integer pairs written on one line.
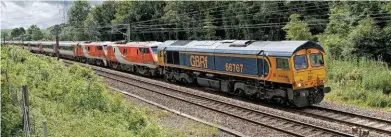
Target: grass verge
[[359, 82], [72, 100]]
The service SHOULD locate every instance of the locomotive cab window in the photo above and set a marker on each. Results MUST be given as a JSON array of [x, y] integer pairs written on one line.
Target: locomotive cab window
[[300, 62], [316, 59], [282, 63]]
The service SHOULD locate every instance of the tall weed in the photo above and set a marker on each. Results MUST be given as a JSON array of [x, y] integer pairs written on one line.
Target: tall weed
[[73, 100], [359, 81]]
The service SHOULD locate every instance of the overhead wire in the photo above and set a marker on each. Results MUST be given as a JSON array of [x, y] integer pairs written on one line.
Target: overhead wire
[[206, 11], [140, 25], [173, 23]]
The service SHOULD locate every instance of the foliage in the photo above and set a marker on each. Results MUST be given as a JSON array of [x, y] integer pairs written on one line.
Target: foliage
[[359, 81], [358, 29], [16, 32], [78, 12], [209, 32], [99, 17], [297, 29], [73, 100], [34, 33]]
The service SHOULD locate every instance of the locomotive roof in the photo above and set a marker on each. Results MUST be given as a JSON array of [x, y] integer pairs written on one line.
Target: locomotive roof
[[271, 48], [67, 43], [139, 44]]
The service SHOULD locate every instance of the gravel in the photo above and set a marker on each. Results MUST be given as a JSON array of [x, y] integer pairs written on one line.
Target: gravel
[[175, 122], [357, 110], [246, 128], [241, 126]]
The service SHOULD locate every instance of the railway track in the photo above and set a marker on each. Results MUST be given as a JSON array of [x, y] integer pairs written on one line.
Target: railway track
[[378, 125], [278, 123]]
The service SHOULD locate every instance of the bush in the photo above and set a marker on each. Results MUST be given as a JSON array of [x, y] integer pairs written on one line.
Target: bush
[[359, 81], [73, 100]]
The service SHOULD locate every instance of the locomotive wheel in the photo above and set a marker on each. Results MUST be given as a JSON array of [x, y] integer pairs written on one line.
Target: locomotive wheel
[[184, 81], [173, 80], [240, 92], [167, 78], [256, 96], [318, 97]]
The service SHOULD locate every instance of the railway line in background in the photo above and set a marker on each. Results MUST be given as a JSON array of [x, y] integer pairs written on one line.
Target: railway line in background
[[275, 122]]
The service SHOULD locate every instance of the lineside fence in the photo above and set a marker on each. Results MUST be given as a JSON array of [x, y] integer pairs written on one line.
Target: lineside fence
[[16, 92]]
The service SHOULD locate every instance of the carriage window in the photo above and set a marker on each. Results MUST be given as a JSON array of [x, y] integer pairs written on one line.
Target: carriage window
[[88, 48], [154, 49], [282, 63], [125, 51], [146, 50], [300, 62], [316, 59], [99, 48], [105, 47]]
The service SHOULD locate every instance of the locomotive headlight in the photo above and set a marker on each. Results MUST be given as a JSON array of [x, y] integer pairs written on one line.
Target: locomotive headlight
[[299, 85], [321, 81]]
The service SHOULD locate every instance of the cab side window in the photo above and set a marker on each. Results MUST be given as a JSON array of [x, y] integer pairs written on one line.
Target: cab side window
[[282, 63], [99, 48], [144, 50]]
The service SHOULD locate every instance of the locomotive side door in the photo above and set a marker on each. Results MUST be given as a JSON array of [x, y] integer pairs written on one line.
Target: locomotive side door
[[161, 56], [143, 51]]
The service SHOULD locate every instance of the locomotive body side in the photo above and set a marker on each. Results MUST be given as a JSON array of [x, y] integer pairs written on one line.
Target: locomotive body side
[[135, 57]]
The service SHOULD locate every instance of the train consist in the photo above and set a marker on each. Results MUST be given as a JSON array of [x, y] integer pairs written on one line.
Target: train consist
[[286, 72]]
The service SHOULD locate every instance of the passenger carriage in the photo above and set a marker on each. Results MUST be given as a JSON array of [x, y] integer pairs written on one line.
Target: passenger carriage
[[47, 47], [67, 49]]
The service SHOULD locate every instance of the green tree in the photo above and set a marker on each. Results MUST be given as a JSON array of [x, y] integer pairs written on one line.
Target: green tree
[[78, 13], [297, 29], [16, 32], [209, 28], [90, 28], [34, 33], [99, 18], [366, 39]]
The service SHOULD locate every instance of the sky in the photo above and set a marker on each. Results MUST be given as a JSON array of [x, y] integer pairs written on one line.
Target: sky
[[17, 13]]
